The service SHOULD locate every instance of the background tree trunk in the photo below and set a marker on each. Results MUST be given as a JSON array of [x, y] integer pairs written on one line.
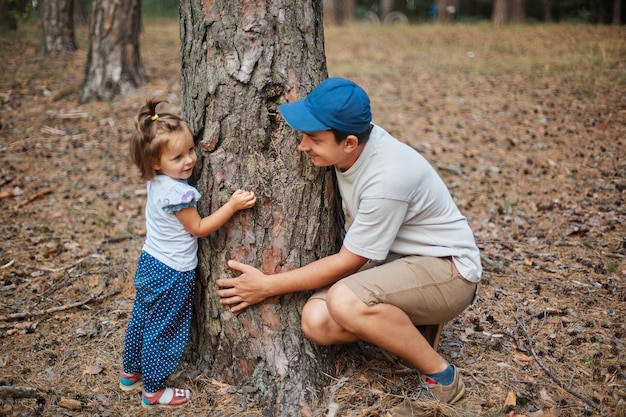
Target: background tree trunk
[[386, 7], [80, 14], [447, 10], [617, 12], [518, 12], [57, 26], [547, 11], [500, 12], [113, 62], [442, 14], [347, 10], [338, 12], [602, 12], [330, 14], [239, 61]]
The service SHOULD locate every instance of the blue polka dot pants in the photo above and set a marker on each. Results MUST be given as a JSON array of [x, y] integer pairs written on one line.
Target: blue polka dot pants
[[158, 330]]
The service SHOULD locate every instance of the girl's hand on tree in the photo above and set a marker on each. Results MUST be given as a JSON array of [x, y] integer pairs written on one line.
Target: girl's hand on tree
[[241, 200], [243, 291]]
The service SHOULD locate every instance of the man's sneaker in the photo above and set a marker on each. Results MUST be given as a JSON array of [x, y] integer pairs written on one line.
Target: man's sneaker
[[448, 394], [428, 390]]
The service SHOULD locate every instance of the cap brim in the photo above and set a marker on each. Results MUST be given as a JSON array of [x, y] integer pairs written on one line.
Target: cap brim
[[300, 118]]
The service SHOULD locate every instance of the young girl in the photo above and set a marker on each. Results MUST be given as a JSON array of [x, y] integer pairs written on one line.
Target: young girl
[[163, 150]]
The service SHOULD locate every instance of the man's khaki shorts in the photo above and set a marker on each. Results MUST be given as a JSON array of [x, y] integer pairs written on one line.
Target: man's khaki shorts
[[429, 290]]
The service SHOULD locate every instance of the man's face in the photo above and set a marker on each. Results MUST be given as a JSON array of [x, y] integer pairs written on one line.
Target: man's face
[[324, 150]]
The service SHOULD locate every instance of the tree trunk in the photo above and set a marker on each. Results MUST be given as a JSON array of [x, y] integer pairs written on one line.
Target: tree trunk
[[240, 60], [442, 14], [386, 7], [547, 11], [57, 26], [329, 12], [617, 12], [447, 10], [80, 15], [518, 12], [113, 63], [343, 11], [602, 12], [500, 12], [338, 12]]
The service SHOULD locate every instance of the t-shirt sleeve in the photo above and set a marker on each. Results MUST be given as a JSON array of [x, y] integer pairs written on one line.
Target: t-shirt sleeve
[[375, 227], [178, 197]]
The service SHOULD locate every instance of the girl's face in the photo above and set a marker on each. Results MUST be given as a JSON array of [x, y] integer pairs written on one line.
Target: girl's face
[[177, 158]]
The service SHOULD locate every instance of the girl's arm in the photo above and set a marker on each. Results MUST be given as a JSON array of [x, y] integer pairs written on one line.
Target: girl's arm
[[203, 226]]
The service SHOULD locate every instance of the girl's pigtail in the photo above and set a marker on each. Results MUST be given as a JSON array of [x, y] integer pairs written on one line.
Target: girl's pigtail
[[143, 149], [146, 119]]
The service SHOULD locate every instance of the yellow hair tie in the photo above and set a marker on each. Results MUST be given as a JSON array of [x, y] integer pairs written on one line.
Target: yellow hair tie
[[156, 116]]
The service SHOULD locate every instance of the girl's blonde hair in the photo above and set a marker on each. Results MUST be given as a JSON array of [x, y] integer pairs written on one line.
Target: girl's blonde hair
[[154, 132]]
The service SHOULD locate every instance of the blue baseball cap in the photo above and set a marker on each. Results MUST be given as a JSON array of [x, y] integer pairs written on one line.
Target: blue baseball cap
[[336, 103]]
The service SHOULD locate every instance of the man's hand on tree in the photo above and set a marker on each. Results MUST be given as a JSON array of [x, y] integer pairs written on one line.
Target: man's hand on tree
[[243, 291]]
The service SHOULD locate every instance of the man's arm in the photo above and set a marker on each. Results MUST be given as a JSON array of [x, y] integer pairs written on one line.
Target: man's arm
[[253, 286]]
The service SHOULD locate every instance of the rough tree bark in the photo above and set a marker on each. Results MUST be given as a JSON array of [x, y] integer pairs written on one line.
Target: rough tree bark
[[240, 60], [113, 63], [57, 26]]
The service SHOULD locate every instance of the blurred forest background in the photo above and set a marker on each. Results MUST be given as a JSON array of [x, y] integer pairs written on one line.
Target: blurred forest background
[[389, 11]]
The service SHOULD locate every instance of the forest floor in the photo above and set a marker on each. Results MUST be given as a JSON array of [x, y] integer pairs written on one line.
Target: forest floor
[[526, 125]]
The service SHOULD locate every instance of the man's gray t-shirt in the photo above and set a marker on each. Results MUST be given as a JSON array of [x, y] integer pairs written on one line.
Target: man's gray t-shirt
[[400, 205]]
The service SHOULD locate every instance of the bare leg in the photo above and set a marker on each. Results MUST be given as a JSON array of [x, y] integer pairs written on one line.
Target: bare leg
[[344, 318], [319, 327]]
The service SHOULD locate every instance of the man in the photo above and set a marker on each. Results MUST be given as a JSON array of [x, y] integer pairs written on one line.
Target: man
[[408, 258]]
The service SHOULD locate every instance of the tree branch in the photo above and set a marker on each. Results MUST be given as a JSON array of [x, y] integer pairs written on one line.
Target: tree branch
[[19, 392], [18, 316], [33, 197]]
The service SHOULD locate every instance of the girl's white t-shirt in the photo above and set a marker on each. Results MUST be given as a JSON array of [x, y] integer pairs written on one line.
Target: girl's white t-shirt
[[400, 205], [166, 238]]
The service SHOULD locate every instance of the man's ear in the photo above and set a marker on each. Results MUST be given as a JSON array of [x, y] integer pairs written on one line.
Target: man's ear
[[351, 142]]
